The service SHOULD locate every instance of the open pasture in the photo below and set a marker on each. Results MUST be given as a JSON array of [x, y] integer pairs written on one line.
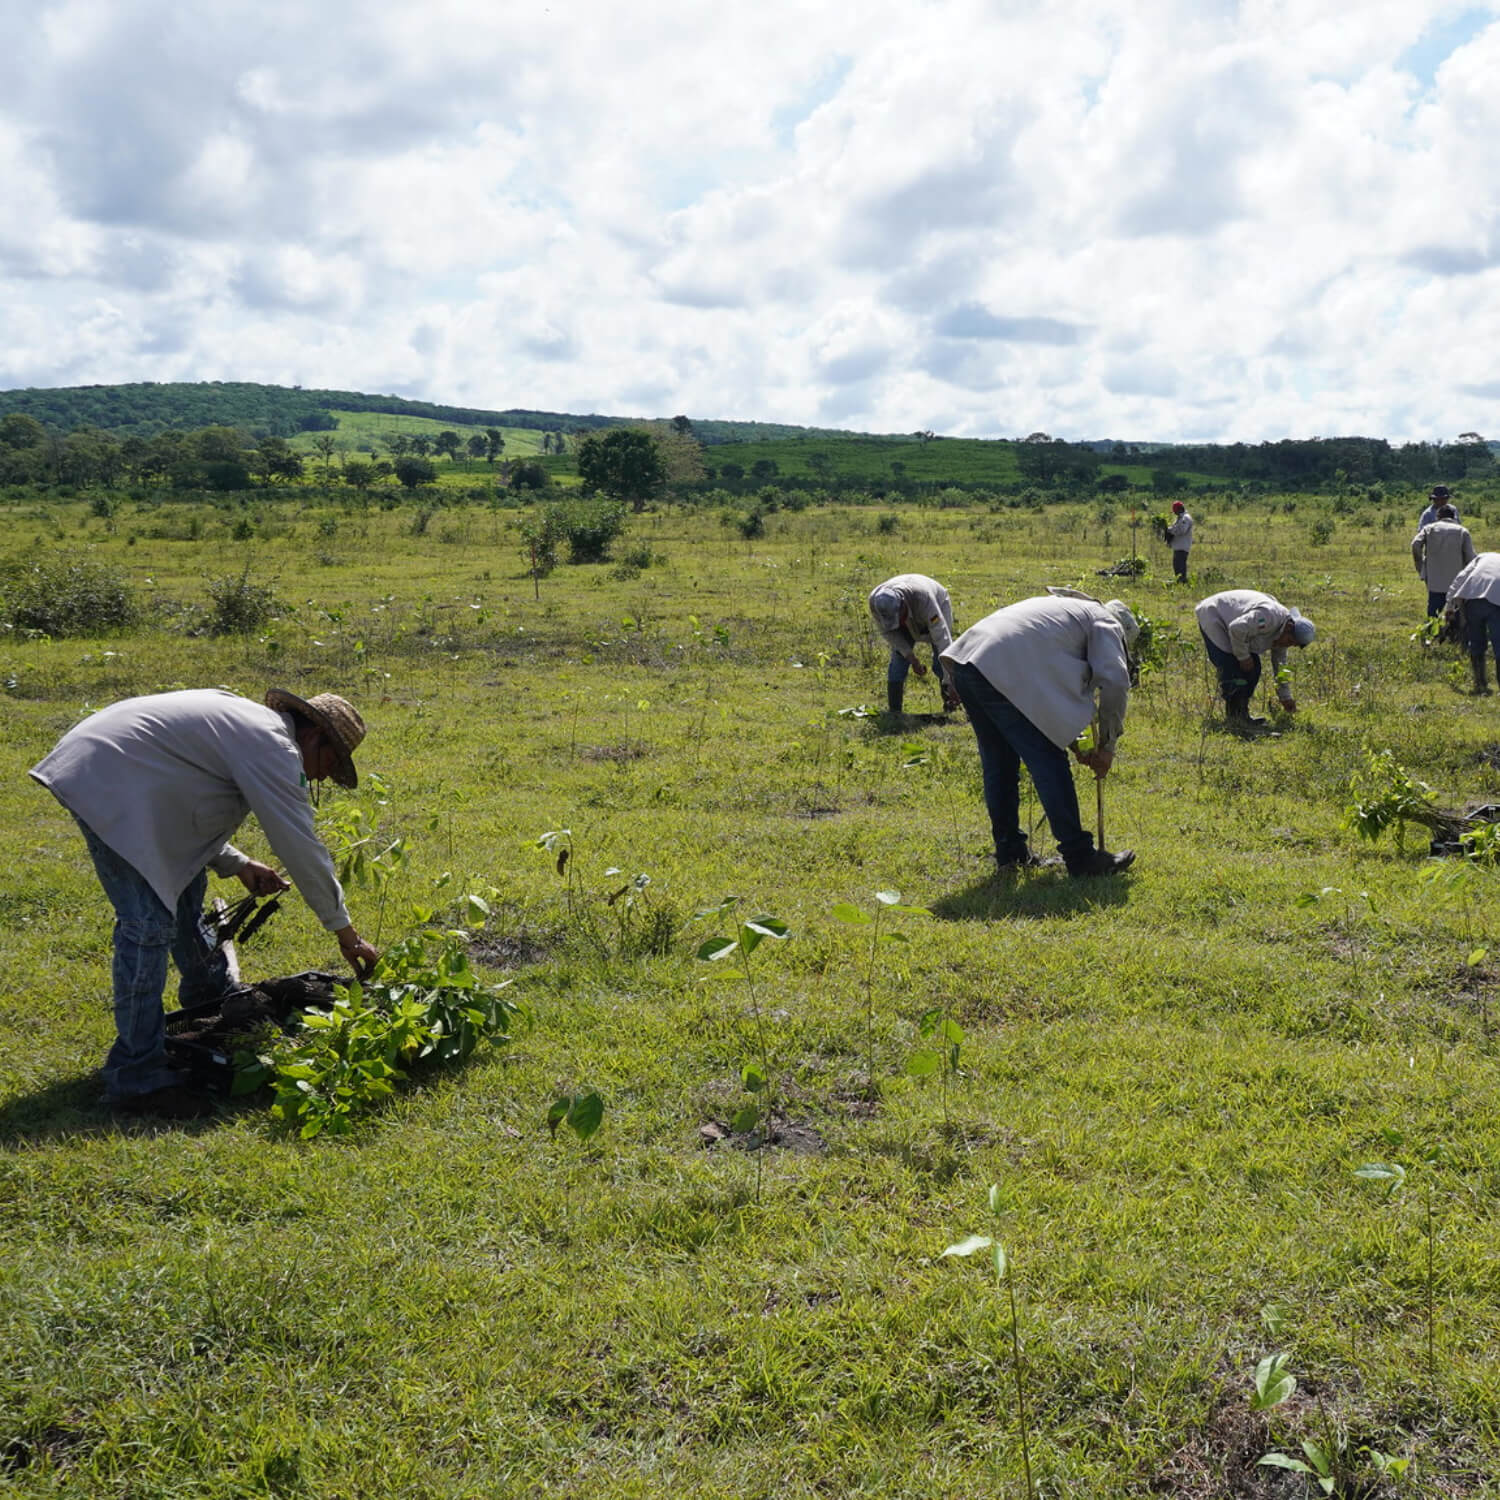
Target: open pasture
[[1170, 1077]]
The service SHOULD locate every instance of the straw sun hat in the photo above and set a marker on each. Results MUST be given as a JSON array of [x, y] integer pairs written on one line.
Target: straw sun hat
[[336, 717]]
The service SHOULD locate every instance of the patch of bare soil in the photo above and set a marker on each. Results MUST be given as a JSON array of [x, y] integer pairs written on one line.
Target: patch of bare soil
[[782, 1135], [505, 950], [56, 1443], [616, 753]]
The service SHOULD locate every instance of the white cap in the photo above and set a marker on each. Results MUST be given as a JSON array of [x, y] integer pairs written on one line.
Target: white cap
[[885, 606], [1303, 629], [1124, 619]]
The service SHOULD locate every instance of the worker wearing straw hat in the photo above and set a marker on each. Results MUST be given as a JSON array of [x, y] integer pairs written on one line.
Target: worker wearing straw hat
[[158, 784]]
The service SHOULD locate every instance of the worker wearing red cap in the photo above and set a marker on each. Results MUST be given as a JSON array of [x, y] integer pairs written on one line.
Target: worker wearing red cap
[[1179, 536]]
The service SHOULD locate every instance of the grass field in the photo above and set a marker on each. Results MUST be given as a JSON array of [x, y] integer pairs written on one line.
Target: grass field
[[1170, 1077], [358, 430]]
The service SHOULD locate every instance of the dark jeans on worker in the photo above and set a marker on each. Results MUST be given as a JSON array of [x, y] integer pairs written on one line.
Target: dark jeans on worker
[[1179, 564], [1233, 678], [1007, 739], [145, 933], [1484, 628], [897, 671], [1435, 604]]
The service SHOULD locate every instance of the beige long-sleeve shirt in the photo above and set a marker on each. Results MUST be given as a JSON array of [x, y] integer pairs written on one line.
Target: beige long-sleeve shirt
[[1479, 580], [1050, 656], [1441, 552], [1246, 622], [165, 779], [929, 613]]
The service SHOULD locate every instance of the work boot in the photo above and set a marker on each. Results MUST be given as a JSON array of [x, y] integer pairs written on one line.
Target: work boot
[[1101, 862], [895, 695], [1238, 715], [1015, 857], [1481, 685]]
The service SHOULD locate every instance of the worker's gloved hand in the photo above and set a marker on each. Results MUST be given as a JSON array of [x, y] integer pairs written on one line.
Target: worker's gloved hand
[[262, 880], [951, 700], [918, 668], [1287, 705], [358, 954]]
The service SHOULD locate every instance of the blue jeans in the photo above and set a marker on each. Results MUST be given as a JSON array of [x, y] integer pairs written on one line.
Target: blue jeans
[[1484, 629], [896, 672], [1233, 678], [1435, 604], [1007, 738], [145, 933]]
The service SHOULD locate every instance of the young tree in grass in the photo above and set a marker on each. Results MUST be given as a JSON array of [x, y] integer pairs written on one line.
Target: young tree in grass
[[477, 447], [413, 471], [494, 444], [448, 443], [624, 463]]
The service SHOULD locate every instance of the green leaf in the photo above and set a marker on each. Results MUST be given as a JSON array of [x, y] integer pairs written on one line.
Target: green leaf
[[753, 1078], [852, 915], [970, 1246], [771, 927], [915, 911], [1318, 1456], [888, 898], [557, 1112], [745, 1119], [1477, 956], [1001, 1264], [951, 1031], [923, 1064], [894, 937], [1382, 1171], [1284, 1461], [586, 1114], [994, 1197], [1274, 1383], [716, 948], [928, 1022]]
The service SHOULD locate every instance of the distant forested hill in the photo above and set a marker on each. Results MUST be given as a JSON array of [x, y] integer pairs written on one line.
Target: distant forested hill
[[145, 409]]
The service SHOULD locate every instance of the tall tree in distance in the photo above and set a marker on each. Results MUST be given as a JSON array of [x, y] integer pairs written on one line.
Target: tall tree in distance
[[623, 463], [448, 442], [494, 444]]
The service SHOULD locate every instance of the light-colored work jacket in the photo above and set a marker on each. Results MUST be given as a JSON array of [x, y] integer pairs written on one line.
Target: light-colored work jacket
[[1441, 552]]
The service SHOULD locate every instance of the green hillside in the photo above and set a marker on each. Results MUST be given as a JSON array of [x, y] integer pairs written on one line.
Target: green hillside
[[146, 408]]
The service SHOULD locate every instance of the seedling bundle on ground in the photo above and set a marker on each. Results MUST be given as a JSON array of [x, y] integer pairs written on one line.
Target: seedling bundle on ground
[[528, 1271]]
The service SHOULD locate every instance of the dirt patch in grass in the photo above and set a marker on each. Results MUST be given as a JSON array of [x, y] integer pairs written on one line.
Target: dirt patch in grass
[[783, 1135], [506, 950], [55, 1445], [619, 754]]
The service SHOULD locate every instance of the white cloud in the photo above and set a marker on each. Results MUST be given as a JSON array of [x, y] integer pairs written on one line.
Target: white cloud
[[1131, 218]]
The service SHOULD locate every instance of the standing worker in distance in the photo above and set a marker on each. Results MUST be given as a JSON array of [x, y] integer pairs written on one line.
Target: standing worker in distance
[[907, 609], [1028, 675], [1478, 589], [1441, 550], [1178, 534], [157, 784], [1238, 626], [1439, 496]]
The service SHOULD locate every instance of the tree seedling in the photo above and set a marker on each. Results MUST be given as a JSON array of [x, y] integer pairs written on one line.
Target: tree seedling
[[755, 1076], [583, 1114], [944, 1039], [1003, 1278], [853, 916]]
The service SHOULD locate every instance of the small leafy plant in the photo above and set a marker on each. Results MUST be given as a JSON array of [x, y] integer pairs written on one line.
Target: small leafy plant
[[583, 1114], [755, 1076], [1004, 1278], [853, 916], [943, 1040]]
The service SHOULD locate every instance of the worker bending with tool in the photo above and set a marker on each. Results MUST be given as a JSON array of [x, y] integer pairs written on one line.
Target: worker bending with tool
[[158, 784], [1028, 675]]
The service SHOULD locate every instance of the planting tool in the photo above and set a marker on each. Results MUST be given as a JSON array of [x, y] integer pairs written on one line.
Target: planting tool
[[1099, 805]]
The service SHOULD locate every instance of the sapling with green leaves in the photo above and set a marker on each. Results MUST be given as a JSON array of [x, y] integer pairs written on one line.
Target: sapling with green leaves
[[943, 1040], [854, 916], [1392, 1176], [1004, 1277], [755, 1077], [582, 1113]]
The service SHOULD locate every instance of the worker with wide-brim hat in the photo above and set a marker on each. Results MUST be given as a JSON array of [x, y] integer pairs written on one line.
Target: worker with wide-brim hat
[[158, 784]]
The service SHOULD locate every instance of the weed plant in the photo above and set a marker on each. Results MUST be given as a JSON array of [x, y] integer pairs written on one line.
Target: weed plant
[[1170, 1078]]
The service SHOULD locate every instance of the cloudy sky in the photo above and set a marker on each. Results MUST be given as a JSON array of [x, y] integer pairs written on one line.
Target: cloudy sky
[[1149, 219]]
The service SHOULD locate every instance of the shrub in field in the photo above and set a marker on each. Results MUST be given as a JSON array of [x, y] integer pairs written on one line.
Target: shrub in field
[[589, 527], [58, 597], [239, 606]]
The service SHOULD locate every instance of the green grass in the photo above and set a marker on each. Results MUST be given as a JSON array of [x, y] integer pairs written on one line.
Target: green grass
[[1170, 1076]]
